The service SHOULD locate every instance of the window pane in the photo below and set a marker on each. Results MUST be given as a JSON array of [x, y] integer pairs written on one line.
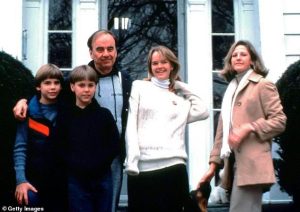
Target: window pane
[[60, 15], [60, 49], [221, 45], [222, 16], [139, 25], [219, 87]]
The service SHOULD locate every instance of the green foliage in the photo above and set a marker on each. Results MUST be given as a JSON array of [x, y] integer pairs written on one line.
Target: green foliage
[[288, 165], [16, 82], [15, 79]]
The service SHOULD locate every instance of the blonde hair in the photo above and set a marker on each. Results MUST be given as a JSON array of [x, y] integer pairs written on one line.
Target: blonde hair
[[171, 57]]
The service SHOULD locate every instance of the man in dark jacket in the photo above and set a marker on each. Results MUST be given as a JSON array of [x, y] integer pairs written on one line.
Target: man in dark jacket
[[113, 91]]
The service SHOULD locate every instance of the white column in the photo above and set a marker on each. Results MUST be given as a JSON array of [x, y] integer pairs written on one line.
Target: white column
[[11, 27], [199, 75], [247, 22], [87, 21], [34, 46], [272, 37]]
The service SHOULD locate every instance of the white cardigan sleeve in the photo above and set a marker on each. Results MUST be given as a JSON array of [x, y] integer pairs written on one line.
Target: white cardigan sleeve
[[198, 110], [131, 136]]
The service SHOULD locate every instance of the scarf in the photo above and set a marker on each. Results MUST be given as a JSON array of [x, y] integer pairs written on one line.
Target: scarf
[[226, 110]]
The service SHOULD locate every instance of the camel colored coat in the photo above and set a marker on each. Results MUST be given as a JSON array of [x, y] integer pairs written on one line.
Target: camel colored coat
[[258, 102]]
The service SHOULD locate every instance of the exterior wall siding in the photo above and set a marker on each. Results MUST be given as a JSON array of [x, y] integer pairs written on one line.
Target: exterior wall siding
[[291, 20]]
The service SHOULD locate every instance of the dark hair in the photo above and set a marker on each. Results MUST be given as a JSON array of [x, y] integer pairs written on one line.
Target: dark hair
[[83, 72], [257, 64], [48, 71], [100, 32], [171, 57]]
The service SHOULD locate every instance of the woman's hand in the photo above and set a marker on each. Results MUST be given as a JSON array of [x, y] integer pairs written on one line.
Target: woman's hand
[[238, 134], [209, 174]]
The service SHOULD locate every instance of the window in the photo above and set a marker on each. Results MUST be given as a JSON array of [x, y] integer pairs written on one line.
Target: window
[[60, 33], [223, 35], [138, 26]]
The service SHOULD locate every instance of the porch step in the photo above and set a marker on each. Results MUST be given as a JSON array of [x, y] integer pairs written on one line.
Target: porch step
[[270, 207]]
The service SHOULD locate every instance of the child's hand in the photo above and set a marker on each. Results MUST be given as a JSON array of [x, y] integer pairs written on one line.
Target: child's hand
[[21, 193]]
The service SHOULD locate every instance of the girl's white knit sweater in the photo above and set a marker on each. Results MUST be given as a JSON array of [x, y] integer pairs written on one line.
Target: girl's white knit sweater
[[156, 125]]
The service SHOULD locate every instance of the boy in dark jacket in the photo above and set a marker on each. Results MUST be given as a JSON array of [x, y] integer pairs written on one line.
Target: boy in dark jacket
[[90, 137], [37, 174]]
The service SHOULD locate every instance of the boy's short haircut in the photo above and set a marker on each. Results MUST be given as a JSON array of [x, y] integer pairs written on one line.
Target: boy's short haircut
[[48, 71], [83, 72]]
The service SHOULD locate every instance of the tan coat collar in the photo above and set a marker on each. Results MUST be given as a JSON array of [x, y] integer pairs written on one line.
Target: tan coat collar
[[255, 77]]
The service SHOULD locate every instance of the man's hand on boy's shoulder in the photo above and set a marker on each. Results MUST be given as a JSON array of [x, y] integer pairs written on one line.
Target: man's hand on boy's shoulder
[[20, 109]]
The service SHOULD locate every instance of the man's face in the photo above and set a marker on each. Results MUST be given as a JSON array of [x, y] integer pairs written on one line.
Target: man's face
[[104, 53]]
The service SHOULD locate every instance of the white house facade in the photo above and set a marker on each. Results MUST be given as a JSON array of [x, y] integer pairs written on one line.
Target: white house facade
[[271, 25]]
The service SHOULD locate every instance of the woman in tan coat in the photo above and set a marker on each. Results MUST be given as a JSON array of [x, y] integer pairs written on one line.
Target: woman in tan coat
[[251, 115]]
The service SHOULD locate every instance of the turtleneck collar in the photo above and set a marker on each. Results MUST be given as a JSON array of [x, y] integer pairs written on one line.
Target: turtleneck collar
[[160, 83], [113, 72], [240, 75]]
